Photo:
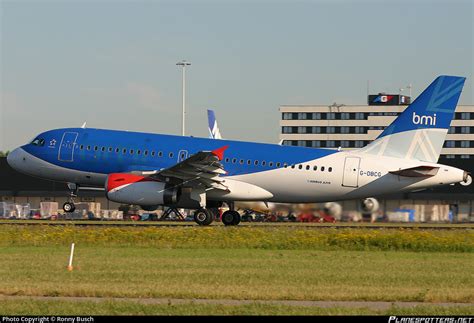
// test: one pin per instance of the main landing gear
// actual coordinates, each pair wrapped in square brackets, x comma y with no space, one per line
[69,206]
[205,216]
[231,217]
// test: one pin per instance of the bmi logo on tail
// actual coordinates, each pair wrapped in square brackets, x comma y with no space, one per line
[426,120]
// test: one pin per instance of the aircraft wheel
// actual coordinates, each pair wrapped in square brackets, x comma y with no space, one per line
[69,207]
[203,217]
[215,213]
[231,218]
[236,220]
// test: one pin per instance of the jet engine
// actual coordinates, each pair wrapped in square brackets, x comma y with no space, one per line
[467,179]
[334,209]
[149,208]
[370,205]
[140,190]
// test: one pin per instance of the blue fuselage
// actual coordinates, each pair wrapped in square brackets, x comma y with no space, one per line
[110,151]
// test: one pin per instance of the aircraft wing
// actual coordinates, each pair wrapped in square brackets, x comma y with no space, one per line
[200,169]
[418,171]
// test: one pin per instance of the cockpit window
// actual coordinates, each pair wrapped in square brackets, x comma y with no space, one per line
[38,142]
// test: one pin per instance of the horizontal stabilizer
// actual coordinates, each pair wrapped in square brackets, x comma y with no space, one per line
[419,171]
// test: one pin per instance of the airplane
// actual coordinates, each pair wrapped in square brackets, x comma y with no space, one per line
[214,132]
[253,206]
[200,173]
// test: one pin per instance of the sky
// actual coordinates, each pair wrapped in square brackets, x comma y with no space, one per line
[113,63]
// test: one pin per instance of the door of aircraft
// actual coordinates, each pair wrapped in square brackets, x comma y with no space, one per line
[182,155]
[350,178]
[66,148]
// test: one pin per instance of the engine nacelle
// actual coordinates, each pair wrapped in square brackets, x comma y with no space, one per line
[140,190]
[370,205]
[334,209]
[149,208]
[467,179]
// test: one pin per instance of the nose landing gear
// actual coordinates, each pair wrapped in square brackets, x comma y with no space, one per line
[69,206]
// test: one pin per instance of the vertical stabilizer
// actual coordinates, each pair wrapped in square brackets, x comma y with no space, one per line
[214,132]
[419,132]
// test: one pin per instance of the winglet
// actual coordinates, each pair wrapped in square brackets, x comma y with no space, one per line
[219,152]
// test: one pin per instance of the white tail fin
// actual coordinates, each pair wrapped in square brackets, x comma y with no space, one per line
[214,132]
[419,132]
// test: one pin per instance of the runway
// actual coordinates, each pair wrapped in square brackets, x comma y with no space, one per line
[373,305]
[341,225]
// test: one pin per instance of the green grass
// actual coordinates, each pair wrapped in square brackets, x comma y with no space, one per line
[258,237]
[463,225]
[252,263]
[238,274]
[60,307]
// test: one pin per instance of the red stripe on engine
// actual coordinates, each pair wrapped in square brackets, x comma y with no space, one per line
[118,179]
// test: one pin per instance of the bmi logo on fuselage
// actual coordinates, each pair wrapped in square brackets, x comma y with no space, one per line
[425,120]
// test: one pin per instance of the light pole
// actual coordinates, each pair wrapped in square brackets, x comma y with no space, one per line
[184,63]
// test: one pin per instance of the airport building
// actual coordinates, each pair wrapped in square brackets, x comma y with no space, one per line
[354,126]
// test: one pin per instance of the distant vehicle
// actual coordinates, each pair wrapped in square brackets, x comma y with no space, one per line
[199,173]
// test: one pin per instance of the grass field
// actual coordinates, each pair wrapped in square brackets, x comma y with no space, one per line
[250,237]
[465,225]
[235,263]
[35,307]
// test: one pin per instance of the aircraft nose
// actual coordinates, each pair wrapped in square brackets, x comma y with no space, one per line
[15,157]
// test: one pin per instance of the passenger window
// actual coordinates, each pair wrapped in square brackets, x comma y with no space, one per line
[117,150]
[145,152]
[160,154]
[270,164]
[307,167]
[88,147]
[292,166]
[82,147]
[322,168]
[131,151]
[234,160]
[278,165]
[249,161]
[315,168]
[256,163]
[110,149]
[171,155]
[103,149]
[124,150]
[264,163]
[300,166]
[330,169]
[227,159]
[241,161]
[96,148]
[139,152]
[153,153]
